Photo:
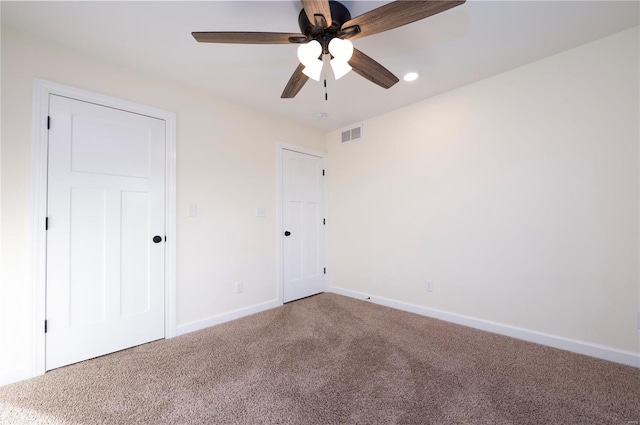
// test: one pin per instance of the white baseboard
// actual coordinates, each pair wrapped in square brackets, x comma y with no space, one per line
[226,317]
[10,376]
[594,350]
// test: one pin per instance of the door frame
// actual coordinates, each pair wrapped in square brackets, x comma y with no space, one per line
[280,147]
[42,89]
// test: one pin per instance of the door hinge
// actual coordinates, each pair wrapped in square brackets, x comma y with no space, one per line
[45,326]
[325,270]
[324,221]
[48,123]
[46,223]
[323,172]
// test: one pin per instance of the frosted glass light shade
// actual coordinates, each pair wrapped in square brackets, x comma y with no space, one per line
[341,49]
[340,68]
[308,54]
[313,70]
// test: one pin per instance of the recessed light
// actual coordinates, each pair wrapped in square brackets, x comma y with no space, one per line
[411,76]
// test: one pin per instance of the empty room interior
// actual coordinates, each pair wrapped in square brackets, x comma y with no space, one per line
[320,212]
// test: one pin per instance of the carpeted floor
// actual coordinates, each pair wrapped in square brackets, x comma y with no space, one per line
[331,360]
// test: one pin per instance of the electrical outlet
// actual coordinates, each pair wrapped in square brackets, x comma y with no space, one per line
[428,286]
[239,287]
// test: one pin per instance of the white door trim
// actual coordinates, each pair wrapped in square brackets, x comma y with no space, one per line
[42,89]
[281,146]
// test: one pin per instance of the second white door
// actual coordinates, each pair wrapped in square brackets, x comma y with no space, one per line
[105,271]
[303,221]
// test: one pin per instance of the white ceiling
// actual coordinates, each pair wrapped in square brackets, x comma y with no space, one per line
[465,44]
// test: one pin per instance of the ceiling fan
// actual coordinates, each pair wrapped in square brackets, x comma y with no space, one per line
[326,30]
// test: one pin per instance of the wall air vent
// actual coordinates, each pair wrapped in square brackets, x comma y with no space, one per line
[352,134]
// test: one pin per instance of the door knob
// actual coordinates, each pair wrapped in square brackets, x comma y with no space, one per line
[287,233]
[157,239]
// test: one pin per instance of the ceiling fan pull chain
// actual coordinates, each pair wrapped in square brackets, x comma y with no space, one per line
[324,72]
[326,95]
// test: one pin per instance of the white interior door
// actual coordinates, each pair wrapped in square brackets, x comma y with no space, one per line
[302,220]
[105,274]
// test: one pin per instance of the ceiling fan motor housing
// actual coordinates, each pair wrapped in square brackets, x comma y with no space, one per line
[339,15]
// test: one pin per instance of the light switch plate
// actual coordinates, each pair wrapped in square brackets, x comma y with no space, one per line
[192,210]
[261,212]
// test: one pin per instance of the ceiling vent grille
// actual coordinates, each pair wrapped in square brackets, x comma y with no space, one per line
[352,134]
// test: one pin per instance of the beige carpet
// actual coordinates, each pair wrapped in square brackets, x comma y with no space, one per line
[331,360]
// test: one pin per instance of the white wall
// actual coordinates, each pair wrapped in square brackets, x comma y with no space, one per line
[517,196]
[226,165]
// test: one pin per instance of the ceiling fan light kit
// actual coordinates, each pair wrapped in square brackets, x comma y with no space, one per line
[327,29]
[341,50]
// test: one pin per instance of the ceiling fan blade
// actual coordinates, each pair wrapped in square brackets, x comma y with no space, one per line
[394,15]
[372,70]
[315,8]
[248,37]
[297,80]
